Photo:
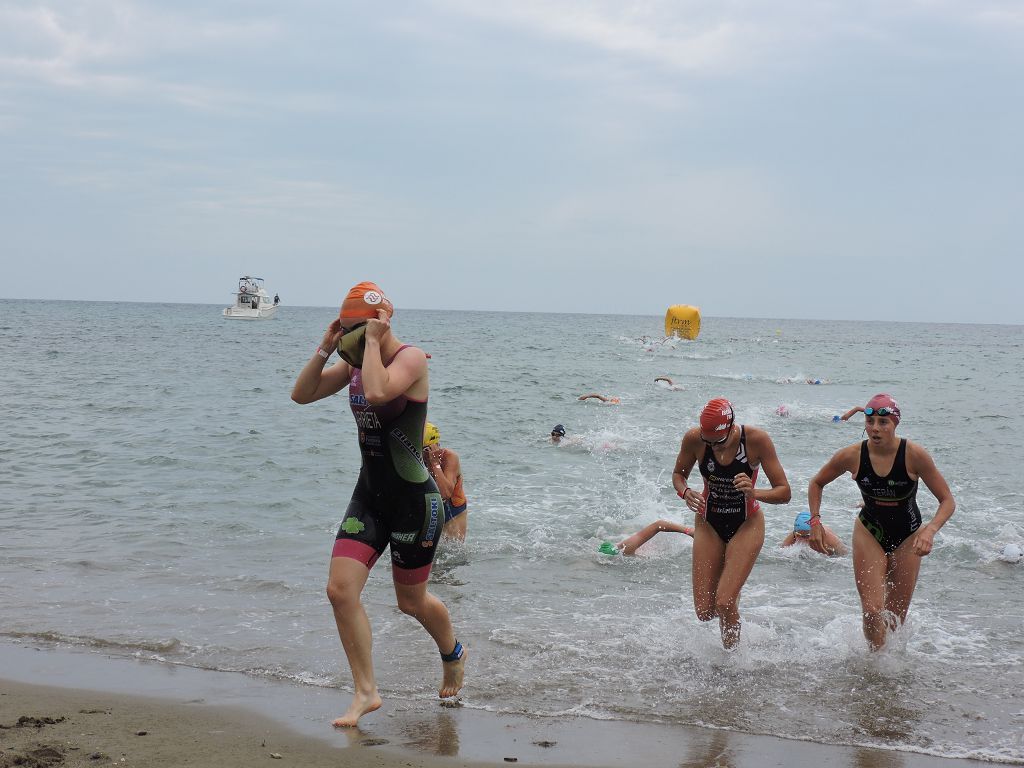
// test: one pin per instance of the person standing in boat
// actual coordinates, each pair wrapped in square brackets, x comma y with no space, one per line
[396,502]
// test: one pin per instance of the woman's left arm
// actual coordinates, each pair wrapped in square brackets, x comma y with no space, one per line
[921,464]
[409,367]
[780,492]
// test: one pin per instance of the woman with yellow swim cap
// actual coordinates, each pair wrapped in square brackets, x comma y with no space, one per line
[446,469]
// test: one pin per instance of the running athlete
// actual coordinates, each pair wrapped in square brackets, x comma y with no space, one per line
[888,538]
[395,501]
[446,469]
[729,527]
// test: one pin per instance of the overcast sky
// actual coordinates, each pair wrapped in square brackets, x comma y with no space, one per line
[765,159]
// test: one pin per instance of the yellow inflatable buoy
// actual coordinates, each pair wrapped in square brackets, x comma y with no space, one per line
[682,320]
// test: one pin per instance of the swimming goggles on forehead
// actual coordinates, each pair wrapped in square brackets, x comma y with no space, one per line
[883,411]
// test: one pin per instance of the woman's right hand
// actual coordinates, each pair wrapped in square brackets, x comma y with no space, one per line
[694,501]
[331,336]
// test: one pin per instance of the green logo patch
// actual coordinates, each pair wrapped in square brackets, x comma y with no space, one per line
[351,525]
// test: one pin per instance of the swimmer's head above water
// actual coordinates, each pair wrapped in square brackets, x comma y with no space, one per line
[557,432]
[802,525]
[431,435]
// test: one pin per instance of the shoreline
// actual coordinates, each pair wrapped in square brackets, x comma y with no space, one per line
[191,715]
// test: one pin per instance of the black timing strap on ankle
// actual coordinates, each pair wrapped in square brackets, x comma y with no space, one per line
[455,655]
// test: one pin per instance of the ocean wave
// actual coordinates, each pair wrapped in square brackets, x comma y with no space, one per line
[99,643]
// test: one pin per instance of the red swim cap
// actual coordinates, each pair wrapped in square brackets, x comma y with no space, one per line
[885,401]
[717,418]
[363,301]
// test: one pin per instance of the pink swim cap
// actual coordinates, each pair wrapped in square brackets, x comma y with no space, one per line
[885,401]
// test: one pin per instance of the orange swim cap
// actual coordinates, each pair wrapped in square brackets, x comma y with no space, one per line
[717,418]
[363,301]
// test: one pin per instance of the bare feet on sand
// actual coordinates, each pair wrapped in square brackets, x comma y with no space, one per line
[453,671]
[361,704]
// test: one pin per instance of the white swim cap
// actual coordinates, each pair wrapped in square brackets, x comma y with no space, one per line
[1012,553]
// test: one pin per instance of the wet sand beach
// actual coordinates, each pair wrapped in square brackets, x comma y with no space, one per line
[147,714]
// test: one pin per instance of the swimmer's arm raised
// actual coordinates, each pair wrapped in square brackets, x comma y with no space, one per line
[314,381]
[846,416]
[921,463]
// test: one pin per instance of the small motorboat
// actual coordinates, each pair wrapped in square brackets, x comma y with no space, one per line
[252,302]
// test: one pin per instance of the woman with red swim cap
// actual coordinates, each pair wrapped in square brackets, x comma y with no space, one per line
[729,527]
[888,538]
[396,502]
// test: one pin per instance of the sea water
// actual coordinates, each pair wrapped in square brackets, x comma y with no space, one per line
[161,497]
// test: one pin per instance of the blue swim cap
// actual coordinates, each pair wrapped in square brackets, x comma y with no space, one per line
[803,521]
[559,430]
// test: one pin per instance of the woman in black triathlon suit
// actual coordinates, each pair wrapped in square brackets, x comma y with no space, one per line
[395,502]
[888,538]
[729,526]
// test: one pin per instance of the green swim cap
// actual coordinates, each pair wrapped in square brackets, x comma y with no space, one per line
[607,548]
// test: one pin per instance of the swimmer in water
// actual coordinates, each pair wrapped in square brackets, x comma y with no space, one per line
[395,502]
[782,411]
[557,433]
[602,398]
[446,469]
[629,546]
[729,526]
[888,538]
[667,383]
[856,409]
[832,545]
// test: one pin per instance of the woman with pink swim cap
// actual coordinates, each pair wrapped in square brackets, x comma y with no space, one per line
[729,527]
[888,538]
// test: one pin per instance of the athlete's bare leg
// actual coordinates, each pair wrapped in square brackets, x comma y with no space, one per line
[901,579]
[344,586]
[415,601]
[740,555]
[870,566]
[707,562]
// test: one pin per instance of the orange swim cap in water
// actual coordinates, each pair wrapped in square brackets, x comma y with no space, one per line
[363,301]
[717,418]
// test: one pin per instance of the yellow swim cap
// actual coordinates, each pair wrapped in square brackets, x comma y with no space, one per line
[431,435]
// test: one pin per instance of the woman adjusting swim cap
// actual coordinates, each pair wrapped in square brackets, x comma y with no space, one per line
[359,307]
[363,301]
